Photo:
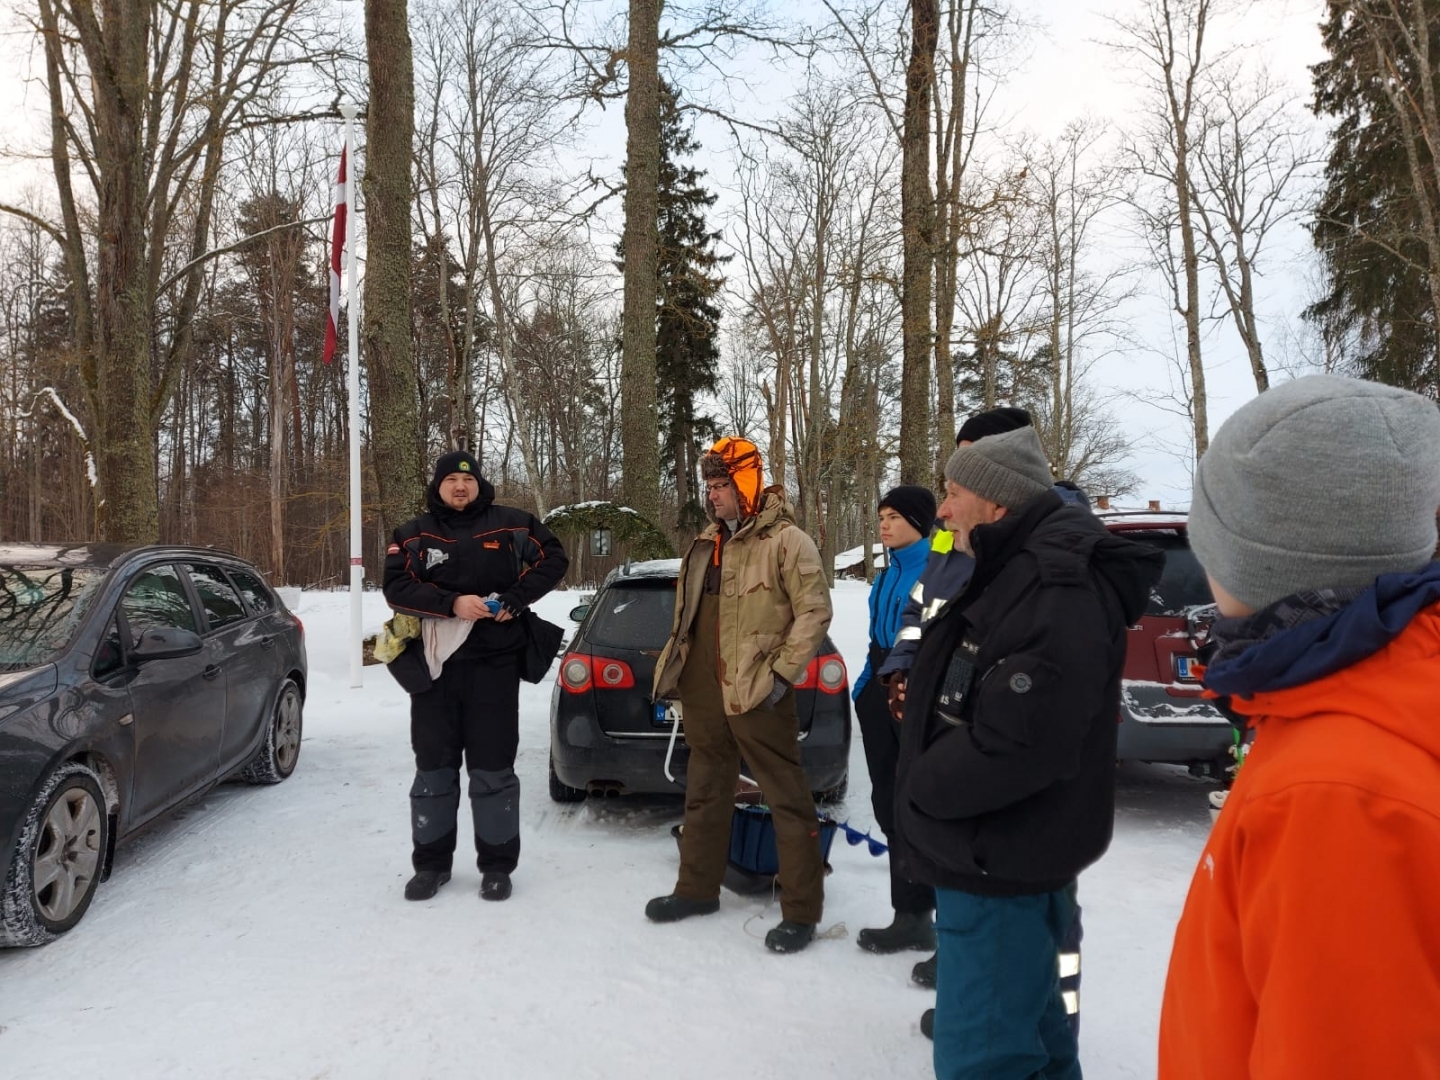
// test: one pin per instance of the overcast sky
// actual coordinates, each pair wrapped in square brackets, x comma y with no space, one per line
[1063,72]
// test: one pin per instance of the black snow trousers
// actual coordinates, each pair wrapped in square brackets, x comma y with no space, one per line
[881,736]
[472,710]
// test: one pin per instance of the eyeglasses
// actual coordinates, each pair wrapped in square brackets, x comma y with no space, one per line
[853,836]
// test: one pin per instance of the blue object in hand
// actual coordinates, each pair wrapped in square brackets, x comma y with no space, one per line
[494,606]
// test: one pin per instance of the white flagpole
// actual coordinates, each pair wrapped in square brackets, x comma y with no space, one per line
[357,562]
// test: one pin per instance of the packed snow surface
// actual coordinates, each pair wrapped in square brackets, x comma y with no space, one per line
[262,933]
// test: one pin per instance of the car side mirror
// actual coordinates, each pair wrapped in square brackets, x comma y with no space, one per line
[579,611]
[165,643]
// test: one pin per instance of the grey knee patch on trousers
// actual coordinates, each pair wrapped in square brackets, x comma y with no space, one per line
[495,802]
[434,800]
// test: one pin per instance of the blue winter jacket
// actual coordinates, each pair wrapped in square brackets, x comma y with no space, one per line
[889,594]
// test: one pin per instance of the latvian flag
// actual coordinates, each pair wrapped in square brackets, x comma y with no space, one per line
[337,248]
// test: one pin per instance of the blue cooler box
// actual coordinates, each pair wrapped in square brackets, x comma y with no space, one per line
[752,840]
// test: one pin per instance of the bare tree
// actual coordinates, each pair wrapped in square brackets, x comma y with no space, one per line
[488,165]
[998,291]
[1249,155]
[142,97]
[961,100]
[388,186]
[640,424]
[1072,187]
[917,221]
[1167,41]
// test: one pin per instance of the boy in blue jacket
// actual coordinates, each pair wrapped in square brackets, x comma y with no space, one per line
[907,514]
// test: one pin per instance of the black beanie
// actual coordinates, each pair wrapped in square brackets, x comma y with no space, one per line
[992,422]
[461,461]
[915,504]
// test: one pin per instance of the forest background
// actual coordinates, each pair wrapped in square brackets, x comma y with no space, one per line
[859,221]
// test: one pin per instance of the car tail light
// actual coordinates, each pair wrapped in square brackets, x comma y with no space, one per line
[580,672]
[612,674]
[299,625]
[825,673]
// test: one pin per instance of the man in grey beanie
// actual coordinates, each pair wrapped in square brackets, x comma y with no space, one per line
[1006,781]
[1308,944]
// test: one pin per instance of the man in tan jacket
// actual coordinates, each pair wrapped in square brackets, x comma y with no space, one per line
[751,611]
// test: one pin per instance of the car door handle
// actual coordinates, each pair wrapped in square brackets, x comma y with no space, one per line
[267,641]
[211,670]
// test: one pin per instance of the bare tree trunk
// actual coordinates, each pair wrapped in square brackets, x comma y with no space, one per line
[952,146]
[1167,37]
[640,453]
[390,127]
[119,68]
[917,226]
[520,429]
[277,463]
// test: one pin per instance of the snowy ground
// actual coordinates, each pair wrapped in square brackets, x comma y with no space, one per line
[262,932]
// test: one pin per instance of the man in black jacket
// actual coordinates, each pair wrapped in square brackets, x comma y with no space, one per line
[1007,762]
[468,567]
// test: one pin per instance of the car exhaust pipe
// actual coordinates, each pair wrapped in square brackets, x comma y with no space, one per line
[608,789]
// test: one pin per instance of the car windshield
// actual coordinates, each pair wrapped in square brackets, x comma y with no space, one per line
[1182,585]
[632,615]
[40,610]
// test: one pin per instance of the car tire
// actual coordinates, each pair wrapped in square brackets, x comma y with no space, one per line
[280,750]
[63,843]
[834,794]
[562,792]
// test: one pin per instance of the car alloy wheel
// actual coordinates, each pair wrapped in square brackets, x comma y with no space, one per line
[280,749]
[67,856]
[287,729]
[59,860]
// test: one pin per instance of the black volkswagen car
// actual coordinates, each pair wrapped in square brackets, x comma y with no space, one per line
[131,680]
[608,737]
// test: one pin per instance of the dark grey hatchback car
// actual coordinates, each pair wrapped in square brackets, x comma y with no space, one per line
[608,737]
[131,680]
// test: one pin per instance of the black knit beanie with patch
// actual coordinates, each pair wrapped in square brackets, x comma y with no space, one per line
[461,461]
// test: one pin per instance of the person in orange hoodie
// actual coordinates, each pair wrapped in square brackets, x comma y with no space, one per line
[1309,946]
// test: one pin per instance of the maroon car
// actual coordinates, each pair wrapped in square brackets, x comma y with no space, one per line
[1162,714]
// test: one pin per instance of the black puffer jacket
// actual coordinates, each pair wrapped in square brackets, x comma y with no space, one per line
[1007,762]
[482,549]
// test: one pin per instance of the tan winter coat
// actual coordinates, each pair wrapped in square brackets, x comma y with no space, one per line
[774,606]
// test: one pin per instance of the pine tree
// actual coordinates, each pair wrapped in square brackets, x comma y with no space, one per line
[687,315]
[1370,224]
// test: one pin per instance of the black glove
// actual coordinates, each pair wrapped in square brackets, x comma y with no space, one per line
[777,691]
[511,602]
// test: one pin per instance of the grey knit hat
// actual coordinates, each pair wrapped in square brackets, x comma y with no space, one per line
[1323,482]
[1008,469]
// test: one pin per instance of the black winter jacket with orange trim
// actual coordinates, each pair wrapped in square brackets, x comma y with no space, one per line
[485,548]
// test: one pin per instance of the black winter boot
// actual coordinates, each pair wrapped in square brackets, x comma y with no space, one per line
[909,930]
[673,908]
[927,1024]
[425,884]
[494,885]
[923,973]
[789,936]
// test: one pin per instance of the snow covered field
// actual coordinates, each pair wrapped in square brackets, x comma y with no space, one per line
[262,932]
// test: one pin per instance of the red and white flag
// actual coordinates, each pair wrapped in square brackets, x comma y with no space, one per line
[337,249]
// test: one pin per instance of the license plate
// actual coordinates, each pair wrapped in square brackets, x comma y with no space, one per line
[1184,666]
[665,713]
